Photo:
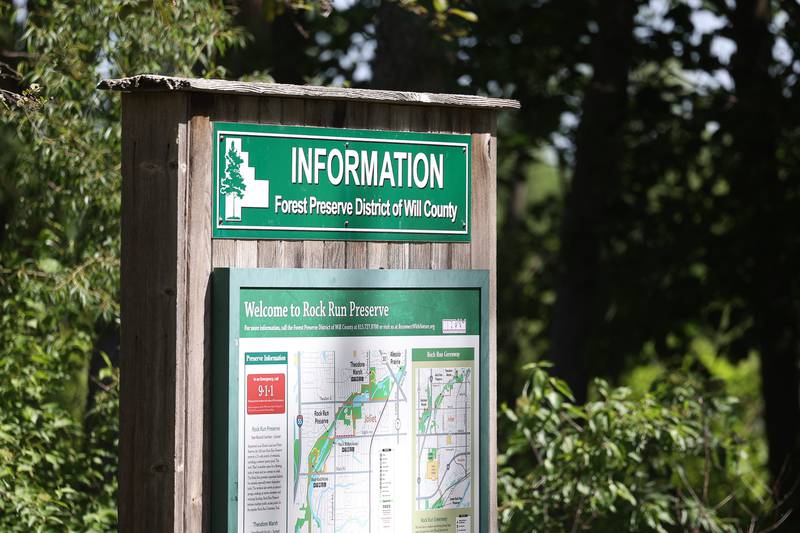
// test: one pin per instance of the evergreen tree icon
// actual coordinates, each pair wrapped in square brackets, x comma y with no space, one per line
[233,185]
[238,186]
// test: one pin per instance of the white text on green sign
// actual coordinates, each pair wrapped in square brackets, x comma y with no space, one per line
[320,183]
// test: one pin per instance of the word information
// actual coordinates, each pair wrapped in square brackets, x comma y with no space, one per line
[322,183]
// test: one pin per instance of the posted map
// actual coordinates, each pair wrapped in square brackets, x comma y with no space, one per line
[343,430]
[353,409]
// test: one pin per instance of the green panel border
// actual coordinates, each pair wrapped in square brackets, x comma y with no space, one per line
[377,235]
[228,282]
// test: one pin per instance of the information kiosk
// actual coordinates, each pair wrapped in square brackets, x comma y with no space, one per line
[351,400]
[308,308]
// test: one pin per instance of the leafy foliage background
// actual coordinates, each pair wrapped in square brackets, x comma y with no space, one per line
[686,237]
[59,253]
[668,459]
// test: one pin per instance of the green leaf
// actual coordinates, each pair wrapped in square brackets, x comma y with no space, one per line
[469,16]
[554,398]
[562,387]
[49,265]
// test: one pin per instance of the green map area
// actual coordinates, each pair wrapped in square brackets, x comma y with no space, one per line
[349,413]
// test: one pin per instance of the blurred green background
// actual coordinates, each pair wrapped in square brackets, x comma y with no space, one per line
[649,206]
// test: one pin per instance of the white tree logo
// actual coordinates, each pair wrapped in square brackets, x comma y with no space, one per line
[239,185]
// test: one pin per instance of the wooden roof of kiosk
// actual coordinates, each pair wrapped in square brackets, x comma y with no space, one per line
[152,82]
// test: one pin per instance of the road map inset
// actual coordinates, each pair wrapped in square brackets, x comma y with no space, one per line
[444,441]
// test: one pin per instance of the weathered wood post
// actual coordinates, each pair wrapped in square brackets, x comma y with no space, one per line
[174,235]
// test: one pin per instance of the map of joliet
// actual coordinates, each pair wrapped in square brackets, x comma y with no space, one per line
[355,422]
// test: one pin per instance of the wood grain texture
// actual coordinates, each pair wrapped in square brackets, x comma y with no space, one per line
[357,115]
[292,112]
[248,109]
[223,253]
[246,254]
[270,109]
[152,82]
[397,255]
[267,253]
[313,254]
[379,117]
[225,108]
[197,329]
[484,256]
[482,204]
[182,451]
[440,256]
[290,254]
[334,255]
[355,254]
[461,255]
[460,121]
[419,255]
[321,113]
[377,255]
[151,165]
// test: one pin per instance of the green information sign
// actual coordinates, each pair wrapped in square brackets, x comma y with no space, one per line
[285,182]
[352,401]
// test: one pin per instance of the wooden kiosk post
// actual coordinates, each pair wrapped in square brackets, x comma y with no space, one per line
[169,252]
